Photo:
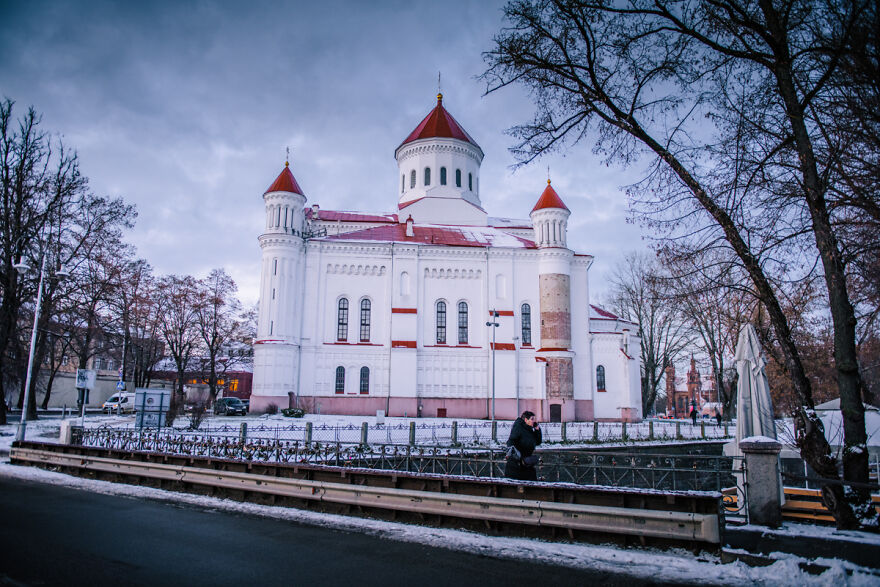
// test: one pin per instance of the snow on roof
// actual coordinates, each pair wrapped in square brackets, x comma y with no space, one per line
[349,216]
[601,314]
[509,222]
[434,234]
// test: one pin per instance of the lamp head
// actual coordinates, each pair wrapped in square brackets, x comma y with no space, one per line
[62,272]
[21,266]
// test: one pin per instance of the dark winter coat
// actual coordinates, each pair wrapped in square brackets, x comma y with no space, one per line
[525,439]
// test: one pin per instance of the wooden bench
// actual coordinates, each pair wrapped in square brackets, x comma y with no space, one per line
[800,504]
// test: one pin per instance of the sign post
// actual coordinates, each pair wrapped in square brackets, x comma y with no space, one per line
[85,381]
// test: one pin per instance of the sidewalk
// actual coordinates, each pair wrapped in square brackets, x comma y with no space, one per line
[758,545]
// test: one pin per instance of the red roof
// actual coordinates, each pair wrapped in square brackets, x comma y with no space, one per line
[285,182]
[604,313]
[439,123]
[549,199]
[343,216]
[453,236]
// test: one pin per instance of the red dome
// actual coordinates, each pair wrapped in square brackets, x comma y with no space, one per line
[549,199]
[285,182]
[439,123]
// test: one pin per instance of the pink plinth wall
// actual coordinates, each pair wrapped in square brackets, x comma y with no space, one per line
[505,409]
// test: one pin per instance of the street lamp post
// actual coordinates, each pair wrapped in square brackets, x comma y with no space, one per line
[494,324]
[23,268]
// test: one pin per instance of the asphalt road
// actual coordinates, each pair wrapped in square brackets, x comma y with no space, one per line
[60,536]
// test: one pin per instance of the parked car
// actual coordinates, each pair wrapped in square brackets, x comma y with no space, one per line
[229,406]
[247,404]
[121,401]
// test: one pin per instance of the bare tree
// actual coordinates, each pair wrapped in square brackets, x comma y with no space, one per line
[637,295]
[217,314]
[719,94]
[177,296]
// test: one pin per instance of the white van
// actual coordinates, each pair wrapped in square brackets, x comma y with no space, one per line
[121,401]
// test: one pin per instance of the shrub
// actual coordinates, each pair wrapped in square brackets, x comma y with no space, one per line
[293,412]
[196,415]
[272,409]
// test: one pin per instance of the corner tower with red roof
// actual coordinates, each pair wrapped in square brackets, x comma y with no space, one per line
[277,346]
[549,220]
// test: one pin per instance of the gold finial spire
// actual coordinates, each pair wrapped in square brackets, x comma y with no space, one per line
[287,158]
[439,90]
[548,175]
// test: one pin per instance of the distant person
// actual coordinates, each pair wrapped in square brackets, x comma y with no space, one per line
[694,414]
[524,437]
[718,417]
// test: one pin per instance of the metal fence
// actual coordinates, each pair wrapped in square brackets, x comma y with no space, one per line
[617,469]
[467,434]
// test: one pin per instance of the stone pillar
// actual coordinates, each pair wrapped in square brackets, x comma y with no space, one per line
[763,480]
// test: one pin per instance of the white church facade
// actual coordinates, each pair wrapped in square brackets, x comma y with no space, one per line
[362,312]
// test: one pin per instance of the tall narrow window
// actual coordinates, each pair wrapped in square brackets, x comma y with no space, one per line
[365,320]
[600,378]
[462,323]
[340,379]
[402,183]
[471,181]
[275,267]
[365,380]
[526,312]
[442,176]
[458,178]
[427,176]
[412,179]
[441,322]
[342,320]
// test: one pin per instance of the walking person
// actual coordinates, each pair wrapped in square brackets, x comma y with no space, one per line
[524,437]
[694,412]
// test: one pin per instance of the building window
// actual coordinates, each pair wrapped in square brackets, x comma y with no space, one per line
[275,267]
[365,380]
[458,178]
[412,179]
[441,322]
[98,363]
[340,379]
[65,359]
[442,176]
[462,323]
[365,320]
[109,364]
[402,183]
[427,176]
[600,378]
[342,320]
[471,181]
[526,311]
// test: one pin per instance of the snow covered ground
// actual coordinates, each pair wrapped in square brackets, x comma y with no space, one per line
[674,565]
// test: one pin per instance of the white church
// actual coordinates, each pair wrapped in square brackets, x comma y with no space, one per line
[437,309]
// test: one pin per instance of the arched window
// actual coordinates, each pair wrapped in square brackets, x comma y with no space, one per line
[442,176]
[402,183]
[365,380]
[441,322]
[600,378]
[340,379]
[365,320]
[462,323]
[427,176]
[458,178]
[412,179]
[471,181]
[342,320]
[526,312]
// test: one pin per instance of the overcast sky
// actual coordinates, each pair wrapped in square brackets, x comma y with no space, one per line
[185,109]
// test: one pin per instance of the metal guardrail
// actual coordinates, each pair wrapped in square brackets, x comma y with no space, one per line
[667,524]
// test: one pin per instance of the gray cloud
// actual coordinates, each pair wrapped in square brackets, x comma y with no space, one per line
[185,109]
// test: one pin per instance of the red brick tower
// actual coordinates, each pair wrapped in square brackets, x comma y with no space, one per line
[550,220]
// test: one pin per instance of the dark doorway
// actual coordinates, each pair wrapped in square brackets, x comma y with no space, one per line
[441,412]
[555,413]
